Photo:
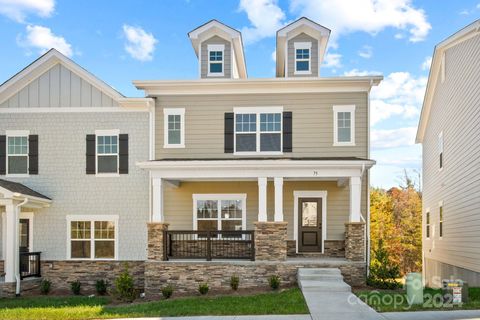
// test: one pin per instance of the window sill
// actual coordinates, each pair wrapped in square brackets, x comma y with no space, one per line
[19,175]
[264,153]
[344,144]
[107,175]
[173,146]
[215,74]
[302,73]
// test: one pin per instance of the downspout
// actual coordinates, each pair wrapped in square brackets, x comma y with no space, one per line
[17,276]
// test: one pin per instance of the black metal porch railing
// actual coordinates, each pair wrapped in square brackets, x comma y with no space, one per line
[209,245]
[29,264]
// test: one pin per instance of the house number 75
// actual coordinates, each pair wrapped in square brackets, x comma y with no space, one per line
[315,173]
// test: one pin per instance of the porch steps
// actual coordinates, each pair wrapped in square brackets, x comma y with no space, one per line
[321,280]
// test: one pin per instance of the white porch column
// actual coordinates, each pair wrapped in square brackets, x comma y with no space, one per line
[262,199]
[157,200]
[278,181]
[355,198]
[11,246]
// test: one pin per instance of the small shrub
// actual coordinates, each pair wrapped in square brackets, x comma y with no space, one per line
[75,286]
[124,287]
[383,272]
[45,286]
[203,288]
[101,286]
[274,282]
[234,282]
[167,291]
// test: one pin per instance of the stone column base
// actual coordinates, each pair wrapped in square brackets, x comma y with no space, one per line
[355,245]
[155,249]
[271,241]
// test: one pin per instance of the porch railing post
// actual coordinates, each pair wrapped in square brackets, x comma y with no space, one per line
[209,246]
[39,264]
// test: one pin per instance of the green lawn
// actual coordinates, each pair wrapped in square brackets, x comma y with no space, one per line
[285,302]
[388,301]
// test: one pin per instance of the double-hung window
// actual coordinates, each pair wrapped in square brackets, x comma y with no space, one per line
[216,59]
[427,224]
[302,57]
[92,237]
[219,212]
[174,124]
[17,152]
[344,125]
[107,151]
[258,130]
[440,150]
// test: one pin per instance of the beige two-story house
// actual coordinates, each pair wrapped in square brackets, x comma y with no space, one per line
[448,131]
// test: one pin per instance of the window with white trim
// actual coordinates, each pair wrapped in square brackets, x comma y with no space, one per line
[91,238]
[344,125]
[107,151]
[17,152]
[302,57]
[219,212]
[174,127]
[440,150]
[215,59]
[258,130]
[427,224]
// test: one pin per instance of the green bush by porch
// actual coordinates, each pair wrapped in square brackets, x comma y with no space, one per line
[286,302]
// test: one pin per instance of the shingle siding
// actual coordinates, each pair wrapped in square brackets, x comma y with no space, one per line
[456,112]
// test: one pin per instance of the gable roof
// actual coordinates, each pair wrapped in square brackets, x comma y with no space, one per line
[45,63]
[215,27]
[18,188]
[293,29]
[464,34]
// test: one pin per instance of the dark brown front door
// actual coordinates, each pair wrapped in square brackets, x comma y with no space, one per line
[310,224]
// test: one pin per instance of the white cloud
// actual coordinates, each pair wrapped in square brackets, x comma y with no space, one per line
[274,55]
[360,73]
[426,63]
[265,16]
[366,52]
[43,39]
[332,60]
[393,138]
[399,94]
[140,44]
[18,9]
[370,16]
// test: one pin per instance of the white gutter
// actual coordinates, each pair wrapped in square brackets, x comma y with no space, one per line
[17,276]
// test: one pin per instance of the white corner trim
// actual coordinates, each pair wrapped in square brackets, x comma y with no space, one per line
[310,194]
[174,111]
[92,218]
[336,110]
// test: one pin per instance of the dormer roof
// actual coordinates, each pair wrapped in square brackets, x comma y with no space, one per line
[302,25]
[216,28]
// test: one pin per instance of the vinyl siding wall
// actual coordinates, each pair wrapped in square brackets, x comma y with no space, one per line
[312,123]
[227,56]
[178,205]
[314,68]
[456,112]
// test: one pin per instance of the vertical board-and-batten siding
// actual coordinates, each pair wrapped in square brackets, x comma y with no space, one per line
[227,57]
[456,112]
[312,115]
[314,67]
[59,87]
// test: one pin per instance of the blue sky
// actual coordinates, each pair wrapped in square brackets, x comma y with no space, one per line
[120,41]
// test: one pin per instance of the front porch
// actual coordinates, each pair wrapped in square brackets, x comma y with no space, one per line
[258,210]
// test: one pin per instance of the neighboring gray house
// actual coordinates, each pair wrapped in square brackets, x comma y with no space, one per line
[449,131]
[222,167]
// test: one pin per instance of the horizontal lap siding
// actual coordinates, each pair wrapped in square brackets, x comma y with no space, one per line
[312,122]
[456,112]
[178,203]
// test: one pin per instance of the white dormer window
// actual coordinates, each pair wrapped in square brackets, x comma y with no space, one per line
[215,59]
[303,57]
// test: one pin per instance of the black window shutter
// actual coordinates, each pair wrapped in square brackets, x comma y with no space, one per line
[33,154]
[229,132]
[90,165]
[3,155]
[287,131]
[123,153]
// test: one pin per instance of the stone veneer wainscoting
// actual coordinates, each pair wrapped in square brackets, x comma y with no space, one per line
[355,241]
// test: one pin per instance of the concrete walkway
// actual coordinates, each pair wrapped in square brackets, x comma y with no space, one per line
[329,297]
[269,317]
[433,315]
